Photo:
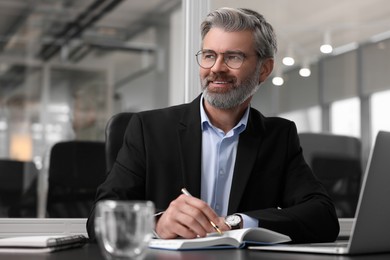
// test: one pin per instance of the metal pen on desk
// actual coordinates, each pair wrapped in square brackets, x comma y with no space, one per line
[185,191]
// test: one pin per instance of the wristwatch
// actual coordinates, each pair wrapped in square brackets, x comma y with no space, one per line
[233,221]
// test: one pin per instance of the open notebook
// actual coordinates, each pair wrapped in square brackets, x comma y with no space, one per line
[371,229]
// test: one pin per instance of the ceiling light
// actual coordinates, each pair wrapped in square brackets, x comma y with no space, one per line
[304,72]
[305,69]
[326,47]
[288,61]
[277,81]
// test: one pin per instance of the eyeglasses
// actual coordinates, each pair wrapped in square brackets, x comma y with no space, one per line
[207,58]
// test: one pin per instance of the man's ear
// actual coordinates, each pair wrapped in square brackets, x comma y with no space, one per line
[266,69]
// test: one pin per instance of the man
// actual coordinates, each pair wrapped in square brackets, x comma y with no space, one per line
[243,169]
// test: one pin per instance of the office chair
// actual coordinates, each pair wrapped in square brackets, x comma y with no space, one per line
[76,169]
[18,188]
[115,130]
[336,161]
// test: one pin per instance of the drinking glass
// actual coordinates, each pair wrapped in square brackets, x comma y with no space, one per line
[123,228]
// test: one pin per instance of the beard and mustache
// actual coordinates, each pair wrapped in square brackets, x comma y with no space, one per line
[233,96]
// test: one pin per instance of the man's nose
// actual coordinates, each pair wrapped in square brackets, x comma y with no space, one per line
[220,64]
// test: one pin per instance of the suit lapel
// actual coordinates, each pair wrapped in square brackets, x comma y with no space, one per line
[247,152]
[190,142]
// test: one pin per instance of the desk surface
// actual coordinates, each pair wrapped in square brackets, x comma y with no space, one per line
[91,252]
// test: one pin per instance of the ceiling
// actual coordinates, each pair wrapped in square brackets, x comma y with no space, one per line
[39,29]
[300,25]
[42,27]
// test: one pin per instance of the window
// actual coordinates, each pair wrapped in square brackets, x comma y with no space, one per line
[345,117]
[380,106]
[307,120]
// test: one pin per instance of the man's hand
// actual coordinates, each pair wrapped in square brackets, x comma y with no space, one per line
[188,217]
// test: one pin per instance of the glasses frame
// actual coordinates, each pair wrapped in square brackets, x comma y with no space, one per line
[225,58]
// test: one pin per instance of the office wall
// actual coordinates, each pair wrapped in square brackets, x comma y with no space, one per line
[375,67]
[339,76]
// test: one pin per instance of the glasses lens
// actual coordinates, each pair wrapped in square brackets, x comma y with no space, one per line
[206,59]
[234,60]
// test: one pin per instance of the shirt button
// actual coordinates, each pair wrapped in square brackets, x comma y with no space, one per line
[221,172]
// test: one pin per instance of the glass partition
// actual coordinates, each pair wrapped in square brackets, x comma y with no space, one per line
[66,67]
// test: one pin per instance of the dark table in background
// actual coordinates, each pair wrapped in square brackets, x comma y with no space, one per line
[92,252]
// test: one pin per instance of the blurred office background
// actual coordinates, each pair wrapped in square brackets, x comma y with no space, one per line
[67,66]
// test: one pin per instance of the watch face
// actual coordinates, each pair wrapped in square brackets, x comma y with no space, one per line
[233,220]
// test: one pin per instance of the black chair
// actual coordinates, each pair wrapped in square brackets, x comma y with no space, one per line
[342,178]
[115,130]
[18,188]
[336,161]
[76,169]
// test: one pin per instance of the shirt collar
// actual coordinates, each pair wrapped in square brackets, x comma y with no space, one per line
[204,119]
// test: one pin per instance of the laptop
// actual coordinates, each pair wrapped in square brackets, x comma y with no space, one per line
[371,228]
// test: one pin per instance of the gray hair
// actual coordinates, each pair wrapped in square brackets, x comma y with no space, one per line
[240,19]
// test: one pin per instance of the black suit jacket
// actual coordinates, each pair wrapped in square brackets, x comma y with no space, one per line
[272,182]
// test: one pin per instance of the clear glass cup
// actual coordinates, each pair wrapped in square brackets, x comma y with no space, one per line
[124,228]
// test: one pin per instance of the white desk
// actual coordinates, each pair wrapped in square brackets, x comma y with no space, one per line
[10,227]
[58,226]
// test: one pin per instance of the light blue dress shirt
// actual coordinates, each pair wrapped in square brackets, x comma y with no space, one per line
[218,158]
